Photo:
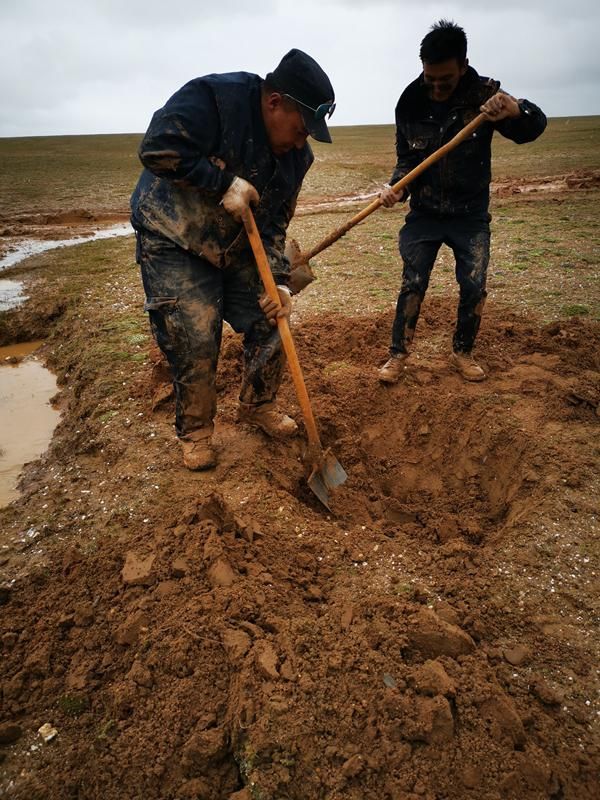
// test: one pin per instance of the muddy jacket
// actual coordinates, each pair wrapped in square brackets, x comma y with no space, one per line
[207,133]
[458,184]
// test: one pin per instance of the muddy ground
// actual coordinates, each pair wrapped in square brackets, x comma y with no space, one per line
[221,636]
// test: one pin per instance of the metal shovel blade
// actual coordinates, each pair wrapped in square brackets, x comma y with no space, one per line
[326,475]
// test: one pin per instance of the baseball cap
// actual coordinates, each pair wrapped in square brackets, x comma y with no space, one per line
[300,78]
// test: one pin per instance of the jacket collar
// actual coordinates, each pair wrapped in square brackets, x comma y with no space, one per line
[472,90]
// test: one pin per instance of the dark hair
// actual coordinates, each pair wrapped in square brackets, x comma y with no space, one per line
[444,41]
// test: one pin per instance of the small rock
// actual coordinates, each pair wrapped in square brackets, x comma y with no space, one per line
[545,693]
[313,592]
[165,588]
[446,612]
[179,568]
[287,671]
[517,655]
[84,615]
[138,571]
[471,777]
[434,723]
[243,794]
[236,644]
[9,640]
[66,621]
[352,767]
[221,574]
[347,616]
[431,678]
[501,712]
[129,632]
[141,675]
[433,637]
[9,733]
[266,660]
[47,732]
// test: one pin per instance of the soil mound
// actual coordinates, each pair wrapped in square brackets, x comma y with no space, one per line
[221,636]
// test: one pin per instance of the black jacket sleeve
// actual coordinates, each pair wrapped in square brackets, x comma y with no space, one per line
[525,128]
[181,138]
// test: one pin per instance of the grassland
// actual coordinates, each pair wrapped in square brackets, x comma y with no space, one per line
[545,251]
[42,174]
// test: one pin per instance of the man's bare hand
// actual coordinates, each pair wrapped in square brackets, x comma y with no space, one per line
[239,197]
[501,106]
[273,311]
[389,197]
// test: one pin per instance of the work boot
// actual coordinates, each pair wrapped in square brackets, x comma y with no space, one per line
[199,454]
[266,417]
[392,369]
[467,366]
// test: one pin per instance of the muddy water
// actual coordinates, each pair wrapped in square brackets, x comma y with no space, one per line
[11,292]
[27,420]
[31,247]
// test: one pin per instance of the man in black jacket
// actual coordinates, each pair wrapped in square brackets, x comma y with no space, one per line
[449,201]
[222,143]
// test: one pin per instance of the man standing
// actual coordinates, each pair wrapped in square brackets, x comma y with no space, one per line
[449,201]
[222,143]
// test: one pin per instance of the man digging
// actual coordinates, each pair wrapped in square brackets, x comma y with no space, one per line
[449,202]
[222,143]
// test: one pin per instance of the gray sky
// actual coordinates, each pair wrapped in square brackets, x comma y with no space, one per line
[103,66]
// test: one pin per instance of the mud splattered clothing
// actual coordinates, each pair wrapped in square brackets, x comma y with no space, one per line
[196,262]
[187,301]
[449,202]
[420,240]
[210,131]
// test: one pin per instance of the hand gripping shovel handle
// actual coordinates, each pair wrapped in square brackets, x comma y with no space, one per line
[401,184]
[314,443]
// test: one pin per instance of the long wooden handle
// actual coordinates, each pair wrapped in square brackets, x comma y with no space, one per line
[401,184]
[284,330]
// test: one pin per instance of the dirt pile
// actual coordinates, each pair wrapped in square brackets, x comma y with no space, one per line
[220,637]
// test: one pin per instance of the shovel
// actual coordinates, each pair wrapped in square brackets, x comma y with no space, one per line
[326,471]
[302,273]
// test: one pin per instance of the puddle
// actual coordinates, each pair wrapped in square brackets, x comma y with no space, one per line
[32,247]
[11,294]
[27,420]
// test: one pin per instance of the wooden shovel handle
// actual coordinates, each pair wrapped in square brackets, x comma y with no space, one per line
[401,184]
[284,330]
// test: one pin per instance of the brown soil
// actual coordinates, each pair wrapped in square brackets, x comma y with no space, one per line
[80,222]
[220,636]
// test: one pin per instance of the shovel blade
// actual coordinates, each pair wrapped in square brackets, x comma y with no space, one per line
[325,476]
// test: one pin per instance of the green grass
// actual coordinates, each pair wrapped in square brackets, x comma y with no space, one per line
[545,249]
[49,173]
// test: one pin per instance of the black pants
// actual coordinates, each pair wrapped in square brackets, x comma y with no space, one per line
[419,242]
[187,299]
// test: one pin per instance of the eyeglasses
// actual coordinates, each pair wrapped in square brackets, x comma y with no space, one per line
[320,112]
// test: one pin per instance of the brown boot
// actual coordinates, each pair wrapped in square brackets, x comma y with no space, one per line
[467,366]
[268,419]
[199,454]
[393,368]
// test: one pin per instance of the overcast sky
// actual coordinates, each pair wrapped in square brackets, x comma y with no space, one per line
[103,66]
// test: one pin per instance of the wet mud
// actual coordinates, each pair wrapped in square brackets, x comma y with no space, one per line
[219,635]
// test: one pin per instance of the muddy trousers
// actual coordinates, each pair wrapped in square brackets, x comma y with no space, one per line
[187,299]
[419,242]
